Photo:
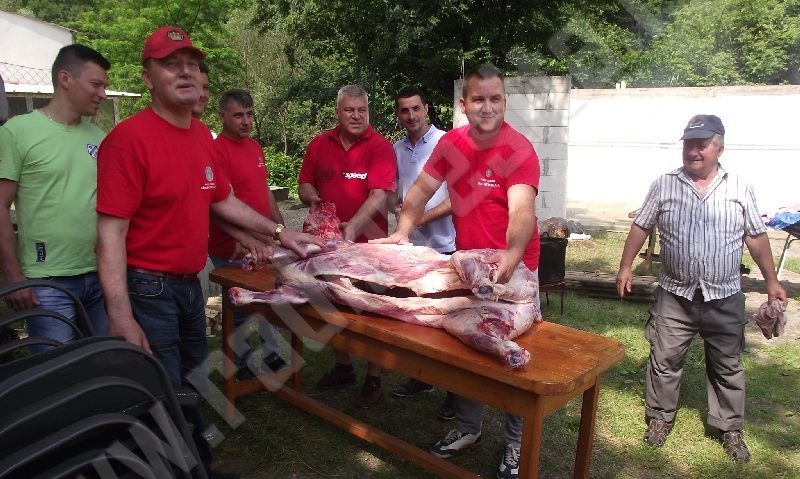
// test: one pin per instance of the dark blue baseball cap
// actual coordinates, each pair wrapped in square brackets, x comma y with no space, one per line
[703,126]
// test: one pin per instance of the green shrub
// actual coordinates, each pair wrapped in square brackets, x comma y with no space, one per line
[282,169]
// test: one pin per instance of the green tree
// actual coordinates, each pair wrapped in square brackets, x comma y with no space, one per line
[726,42]
[118,29]
[59,12]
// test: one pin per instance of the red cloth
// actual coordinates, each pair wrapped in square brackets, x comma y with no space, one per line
[478,178]
[163,179]
[345,177]
[243,162]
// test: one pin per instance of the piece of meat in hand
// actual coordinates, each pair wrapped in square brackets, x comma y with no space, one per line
[323,222]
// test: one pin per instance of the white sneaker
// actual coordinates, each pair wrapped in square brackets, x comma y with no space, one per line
[509,468]
[454,442]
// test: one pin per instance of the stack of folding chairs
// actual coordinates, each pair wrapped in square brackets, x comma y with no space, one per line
[97,407]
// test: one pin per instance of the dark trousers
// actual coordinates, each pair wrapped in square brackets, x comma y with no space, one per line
[172,315]
[674,321]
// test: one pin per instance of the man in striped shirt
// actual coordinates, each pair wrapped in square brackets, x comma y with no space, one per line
[705,216]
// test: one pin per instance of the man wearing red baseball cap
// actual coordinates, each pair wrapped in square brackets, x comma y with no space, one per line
[157,179]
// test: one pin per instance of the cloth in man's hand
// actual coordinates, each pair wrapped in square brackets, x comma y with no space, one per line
[771,319]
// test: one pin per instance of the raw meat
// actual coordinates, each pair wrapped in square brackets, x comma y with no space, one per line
[323,222]
[418,285]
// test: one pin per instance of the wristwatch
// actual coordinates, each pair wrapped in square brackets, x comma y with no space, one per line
[278,228]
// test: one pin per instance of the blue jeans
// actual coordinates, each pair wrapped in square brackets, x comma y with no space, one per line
[85,287]
[268,334]
[172,315]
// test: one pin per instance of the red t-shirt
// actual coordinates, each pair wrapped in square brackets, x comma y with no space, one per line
[345,177]
[242,161]
[478,178]
[163,179]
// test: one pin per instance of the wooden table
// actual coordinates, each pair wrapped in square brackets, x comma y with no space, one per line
[566,363]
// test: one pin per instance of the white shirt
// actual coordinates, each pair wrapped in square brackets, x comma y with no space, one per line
[438,234]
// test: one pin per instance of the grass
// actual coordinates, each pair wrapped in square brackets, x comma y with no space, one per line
[278,441]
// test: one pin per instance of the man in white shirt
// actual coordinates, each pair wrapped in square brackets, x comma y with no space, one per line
[436,229]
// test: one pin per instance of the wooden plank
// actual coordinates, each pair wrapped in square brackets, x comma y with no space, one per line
[398,447]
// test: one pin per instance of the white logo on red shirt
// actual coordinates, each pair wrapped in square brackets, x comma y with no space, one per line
[209,174]
[355,176]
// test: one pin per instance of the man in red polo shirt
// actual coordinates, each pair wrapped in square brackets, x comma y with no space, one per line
[492,175]
[353,167]
[242,160]
[156,181]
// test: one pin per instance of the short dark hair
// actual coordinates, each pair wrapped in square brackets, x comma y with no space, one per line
[73,57]
[203,66]
[484,71]
[240,96]
[408,92]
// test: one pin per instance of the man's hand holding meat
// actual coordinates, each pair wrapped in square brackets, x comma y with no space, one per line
[234,211]
[353,167]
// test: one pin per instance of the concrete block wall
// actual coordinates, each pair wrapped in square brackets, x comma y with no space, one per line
[538,107]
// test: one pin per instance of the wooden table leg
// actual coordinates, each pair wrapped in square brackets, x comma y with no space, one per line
[228,365]
[583,456]
[531,447]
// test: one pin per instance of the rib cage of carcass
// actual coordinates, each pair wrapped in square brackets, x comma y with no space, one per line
[417,285]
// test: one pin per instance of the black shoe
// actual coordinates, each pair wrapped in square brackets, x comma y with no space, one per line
[446,413]
[733,442]
[244,373]
[656,433]
[339,375]
[411,388]
[275,362]
[370,393]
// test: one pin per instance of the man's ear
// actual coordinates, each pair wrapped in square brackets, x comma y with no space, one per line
[146,79]
[63,77]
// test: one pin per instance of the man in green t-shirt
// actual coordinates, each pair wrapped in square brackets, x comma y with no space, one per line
[48,170]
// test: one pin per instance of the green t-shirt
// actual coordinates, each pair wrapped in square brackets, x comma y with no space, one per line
[55,167]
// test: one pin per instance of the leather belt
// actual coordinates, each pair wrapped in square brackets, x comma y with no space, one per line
[175,277]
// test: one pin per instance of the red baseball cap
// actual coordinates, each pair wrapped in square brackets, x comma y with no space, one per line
[167,40]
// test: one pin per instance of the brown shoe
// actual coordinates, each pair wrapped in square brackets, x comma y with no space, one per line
[370,393]
[733,442]
[656,433]
[339,375]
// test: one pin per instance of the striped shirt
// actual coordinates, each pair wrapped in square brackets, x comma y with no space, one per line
[701,237]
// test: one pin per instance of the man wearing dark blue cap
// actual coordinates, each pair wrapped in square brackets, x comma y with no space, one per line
[705,216]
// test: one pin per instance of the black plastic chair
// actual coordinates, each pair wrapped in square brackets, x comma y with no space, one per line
[101,432]
[82,326]
[84,379]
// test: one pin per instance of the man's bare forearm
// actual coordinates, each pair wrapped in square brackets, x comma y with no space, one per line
[12,270]
[374,206]
[633,244]
[439,211]
[112,266]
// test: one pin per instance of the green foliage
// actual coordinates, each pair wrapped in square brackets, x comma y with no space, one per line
[59,12]
[725,43]
[282,169]
[118,28]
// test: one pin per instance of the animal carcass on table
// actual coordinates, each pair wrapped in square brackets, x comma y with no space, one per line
[417,285]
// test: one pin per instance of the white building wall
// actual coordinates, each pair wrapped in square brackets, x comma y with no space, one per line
[29,43]
[621,140]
